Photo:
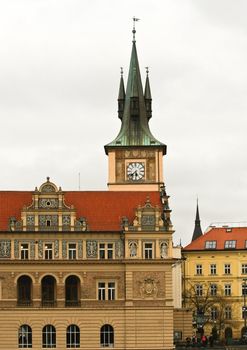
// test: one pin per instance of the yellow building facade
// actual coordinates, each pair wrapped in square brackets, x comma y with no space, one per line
[214,280]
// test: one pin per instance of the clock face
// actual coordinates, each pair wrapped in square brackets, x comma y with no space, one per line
[135,171]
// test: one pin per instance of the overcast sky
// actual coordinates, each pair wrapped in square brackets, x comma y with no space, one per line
[59,75]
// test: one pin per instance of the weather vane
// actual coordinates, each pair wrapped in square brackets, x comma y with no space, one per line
[134,27]
[121,71]
[147,70]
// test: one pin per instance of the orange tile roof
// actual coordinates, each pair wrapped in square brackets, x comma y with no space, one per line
[102,209]
[220,235]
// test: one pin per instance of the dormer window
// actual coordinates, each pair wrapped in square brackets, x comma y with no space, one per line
[230,244]
[210,244]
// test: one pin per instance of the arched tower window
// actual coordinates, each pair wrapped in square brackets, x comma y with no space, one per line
[107,336]
[24,291]
[49,336]
[72,291]
[25,336]
[73,336]
[48,285]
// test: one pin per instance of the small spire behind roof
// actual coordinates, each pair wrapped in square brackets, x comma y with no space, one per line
[147,96]
[121,96]
[197,230]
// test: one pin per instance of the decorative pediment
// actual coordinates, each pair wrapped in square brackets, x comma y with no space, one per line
[48,212]
[147,218]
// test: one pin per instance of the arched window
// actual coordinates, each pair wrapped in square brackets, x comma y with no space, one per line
[25,336]
[24,291]
[106,335]
[73,336]
[49,336]
[48,291]
[72,291]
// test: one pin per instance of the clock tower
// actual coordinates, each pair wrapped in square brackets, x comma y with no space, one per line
[135,156]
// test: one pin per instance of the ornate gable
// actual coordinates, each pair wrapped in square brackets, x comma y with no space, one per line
[48,212]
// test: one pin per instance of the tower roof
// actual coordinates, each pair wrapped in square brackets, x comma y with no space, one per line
[135,129]
[197,230]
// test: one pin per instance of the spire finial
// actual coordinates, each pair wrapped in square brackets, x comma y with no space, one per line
[121,71]
[147,70]
[134,28]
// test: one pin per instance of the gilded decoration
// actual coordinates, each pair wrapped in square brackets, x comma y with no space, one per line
[149,288]
[92,249]
[119,249]
[133,248]
[5,248]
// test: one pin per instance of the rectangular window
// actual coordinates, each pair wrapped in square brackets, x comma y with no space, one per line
[106,250]
[214,313]
[210,244]
[244,269]
[198,269]
[148,250]
[227,269]
[228,289]
[24,251]
[213,289]
[101,291]
[111,291]
[48,251]
[199,290]
[106,291]
[230,244]
[244,289]
[213,270]
[72,251]
[228,313]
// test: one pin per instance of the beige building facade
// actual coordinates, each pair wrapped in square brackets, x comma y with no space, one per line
[94,269]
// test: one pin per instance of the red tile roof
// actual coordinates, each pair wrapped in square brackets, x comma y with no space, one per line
[220,235]
[102,209]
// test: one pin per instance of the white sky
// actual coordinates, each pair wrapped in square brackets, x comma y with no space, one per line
[59,77]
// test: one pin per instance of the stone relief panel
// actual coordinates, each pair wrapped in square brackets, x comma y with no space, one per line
[44,218]
[133,248]
[16,249]
[148,220]
[40,249]
[66,220]
[48,203]
[119,249]
[92,249]
[148,285]
[56,249]
[32,249]
[149,288]
[80,254]
[64,249]
[5,248]
[30,220]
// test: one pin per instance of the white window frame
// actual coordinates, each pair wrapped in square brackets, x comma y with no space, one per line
[227,269]
[148,250]
[198,269]
[213,269]
[106,250]
[24,252]
[48,251]
[199,290]
[213,289]
[230,244]
[106,290]
[228,289]
[72,252]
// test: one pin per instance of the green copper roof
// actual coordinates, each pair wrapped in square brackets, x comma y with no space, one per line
[135,129]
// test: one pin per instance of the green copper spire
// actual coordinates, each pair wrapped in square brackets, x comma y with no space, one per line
[121,97]
[135,129]
[147,96]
